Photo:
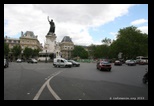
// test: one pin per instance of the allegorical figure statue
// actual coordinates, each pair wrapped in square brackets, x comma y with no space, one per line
[52,26]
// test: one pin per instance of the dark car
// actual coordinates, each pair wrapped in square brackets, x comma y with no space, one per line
[103,65]
[117,62]
[32,60]
[74,63]
[6,63]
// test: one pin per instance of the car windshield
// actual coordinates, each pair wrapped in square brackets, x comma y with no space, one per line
[104,62]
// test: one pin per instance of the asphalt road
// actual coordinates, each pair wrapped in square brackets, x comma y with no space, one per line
[42,81]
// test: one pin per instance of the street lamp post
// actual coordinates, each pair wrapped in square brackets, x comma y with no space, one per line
[46,57]
[68,53]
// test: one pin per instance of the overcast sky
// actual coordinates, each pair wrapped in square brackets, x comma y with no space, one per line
[85,23]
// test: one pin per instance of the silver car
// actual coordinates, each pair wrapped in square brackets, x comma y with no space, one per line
[31,60]
[131,63]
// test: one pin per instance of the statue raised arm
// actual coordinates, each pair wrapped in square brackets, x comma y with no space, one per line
[52,26]
[48,19]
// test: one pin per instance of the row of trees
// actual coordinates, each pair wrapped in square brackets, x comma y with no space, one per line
[130,42]
[16,51]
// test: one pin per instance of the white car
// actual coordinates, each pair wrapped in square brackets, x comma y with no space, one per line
[127,61]
[19,60]
[58,62]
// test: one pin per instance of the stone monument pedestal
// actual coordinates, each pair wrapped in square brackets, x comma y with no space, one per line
[50,42]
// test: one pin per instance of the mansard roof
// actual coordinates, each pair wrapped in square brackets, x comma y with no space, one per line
[66,39]
[29,33]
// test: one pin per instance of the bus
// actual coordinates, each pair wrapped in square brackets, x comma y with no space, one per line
[141,60]
[43,57]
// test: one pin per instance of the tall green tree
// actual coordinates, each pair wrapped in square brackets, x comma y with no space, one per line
[92,50]
[16,50]
[106,41]
[79,51]
[28,52]
[99,51]
[6,49]
[35,52]
[131,42]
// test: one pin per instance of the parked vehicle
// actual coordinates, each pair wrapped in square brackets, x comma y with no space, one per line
[117,62]
[6,63]
[143,62]
[127,61]
[58,62]
[19,60]
[31,60]
[131,63]
[103,65]
[74,63]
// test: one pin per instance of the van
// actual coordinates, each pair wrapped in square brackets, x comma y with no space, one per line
[58,62]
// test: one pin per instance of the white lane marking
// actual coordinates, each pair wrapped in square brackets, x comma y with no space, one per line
[52,91]
[49,87]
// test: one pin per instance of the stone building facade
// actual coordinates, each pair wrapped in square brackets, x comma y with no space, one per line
[66,46]
[11,41]
[28,39]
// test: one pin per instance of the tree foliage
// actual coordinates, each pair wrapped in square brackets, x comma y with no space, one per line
[106,41]
[16,50]
[27,52]
[6,49]
[99,51]
[79,51]
[35,52]
[130,42]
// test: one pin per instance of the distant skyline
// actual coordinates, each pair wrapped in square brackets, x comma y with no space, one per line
[86,24]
